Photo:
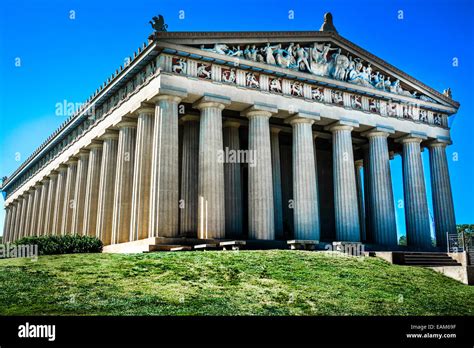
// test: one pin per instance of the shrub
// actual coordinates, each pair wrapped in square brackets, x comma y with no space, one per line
[67,244]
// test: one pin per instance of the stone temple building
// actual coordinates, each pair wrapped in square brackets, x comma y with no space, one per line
[257,136]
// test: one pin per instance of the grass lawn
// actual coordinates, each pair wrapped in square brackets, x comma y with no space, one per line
[226,283]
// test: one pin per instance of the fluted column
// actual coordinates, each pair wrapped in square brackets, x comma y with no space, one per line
[29,211]
[106,187]
[80,192]
[211,202]
[69,195]
[140,219]
[13,221]
[21,220]
[383,222]
[42,207]
[232,182]
[165,169]
[345,191]
[276,175]
[6,226]
[122,210]
[360,198]
[416,205]
[367,194]
[36,209]
[443,206]
[59,204]
[50,202]
[260,187]
[306,210]
[91,196]
[189,176]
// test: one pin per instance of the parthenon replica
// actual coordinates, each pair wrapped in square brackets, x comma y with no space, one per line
[242,136]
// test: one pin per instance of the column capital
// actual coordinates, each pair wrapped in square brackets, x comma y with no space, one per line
[168,97]
[38,184]
[190,118]
[231,123]
[83,152]
[109,134]
[260,110]
[439,143]
[212,101]
[95,144]
[347,125]
[53,173]
[274,129]
[71,160]
[145,108]
[298,119]
[170,93]
[127,122]
[62,167]
[378,131]
[359,163]
[410,138]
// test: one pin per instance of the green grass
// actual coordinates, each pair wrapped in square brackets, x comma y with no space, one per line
[225,283]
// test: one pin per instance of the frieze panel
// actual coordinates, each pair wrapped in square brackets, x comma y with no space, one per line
[320,59]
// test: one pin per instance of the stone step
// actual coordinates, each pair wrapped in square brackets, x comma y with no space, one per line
[422,262]
[206,246]
[169,247]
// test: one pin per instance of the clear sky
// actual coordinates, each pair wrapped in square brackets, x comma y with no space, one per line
[66,55]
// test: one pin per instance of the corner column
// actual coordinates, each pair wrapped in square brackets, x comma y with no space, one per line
[105,204]
[383,222]
[80,191]
[122,209]
[260,187]
[443,206]
[345,190]
[211,191]
[91,196]
[416,205]
[189,176]
[140,219]
[232,182]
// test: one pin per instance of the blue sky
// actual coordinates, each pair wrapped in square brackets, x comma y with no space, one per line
[67,59]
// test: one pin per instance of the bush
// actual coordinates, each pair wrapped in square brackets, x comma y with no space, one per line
[67,244]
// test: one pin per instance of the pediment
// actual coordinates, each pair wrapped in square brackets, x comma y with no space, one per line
[323,56]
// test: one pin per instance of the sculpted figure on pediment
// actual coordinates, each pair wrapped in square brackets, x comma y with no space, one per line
[268,53]
[218,48]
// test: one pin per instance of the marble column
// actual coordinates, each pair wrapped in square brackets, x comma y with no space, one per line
[416,205]
[345,190]
[232,181]
[42,207]
[189,176]
[91,195]
[140,219]
[164,199]
[69,195]
[21,226]
[305,191]
[29,211]
[80,191]
[260,187]
[122,210]
[277,188]
[59,200]
[36,210]
[367,195]
[6,227]
[443,206]
[12,226]
[50,202]
[360,198]
[211,191]
[105,204]
[383,221]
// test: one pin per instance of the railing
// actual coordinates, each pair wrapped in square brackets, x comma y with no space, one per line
[461,242]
